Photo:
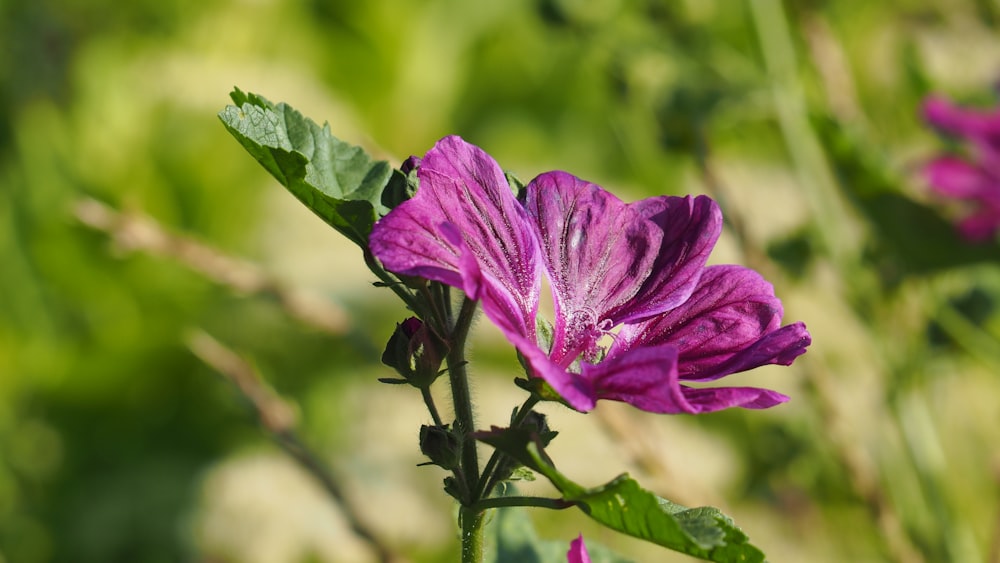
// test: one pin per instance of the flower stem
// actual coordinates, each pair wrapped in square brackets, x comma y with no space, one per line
[460,395]
[471,518]
[431,407]
[392,283]
[501,502]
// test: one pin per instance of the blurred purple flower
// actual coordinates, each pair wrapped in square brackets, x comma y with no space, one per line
[577,551]
[638,266]
[974,179]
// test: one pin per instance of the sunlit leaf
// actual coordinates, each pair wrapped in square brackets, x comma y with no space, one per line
[623,505]
[337,181]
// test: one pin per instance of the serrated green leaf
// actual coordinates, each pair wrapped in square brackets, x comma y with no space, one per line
[337,181]
[623,505]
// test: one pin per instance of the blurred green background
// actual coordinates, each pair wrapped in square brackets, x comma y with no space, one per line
[118,444]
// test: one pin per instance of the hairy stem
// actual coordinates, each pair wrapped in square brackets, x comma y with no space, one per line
[392,283]
[460,392]
[431,407]
[471,518]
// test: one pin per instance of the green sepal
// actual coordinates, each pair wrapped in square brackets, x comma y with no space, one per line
[392,381]
[538,386]
[441,446]
[508,468]
[516,185]
[339,182]
[623,505]
[452,488]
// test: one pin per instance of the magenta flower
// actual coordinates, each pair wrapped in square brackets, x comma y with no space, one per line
[577,551]
[632,274]
[975,179]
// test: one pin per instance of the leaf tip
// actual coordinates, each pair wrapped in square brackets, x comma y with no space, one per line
[239,97]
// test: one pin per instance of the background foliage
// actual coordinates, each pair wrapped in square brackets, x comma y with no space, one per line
[118,444]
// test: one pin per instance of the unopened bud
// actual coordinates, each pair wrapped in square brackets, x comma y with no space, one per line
[441,446]
[410,165]
[414,353]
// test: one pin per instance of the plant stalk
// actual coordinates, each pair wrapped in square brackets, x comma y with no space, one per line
[471,518]
[501,502]
[460,394]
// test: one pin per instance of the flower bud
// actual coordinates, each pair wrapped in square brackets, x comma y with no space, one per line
[414,353]
[441,446]
[410,165]
[536,423]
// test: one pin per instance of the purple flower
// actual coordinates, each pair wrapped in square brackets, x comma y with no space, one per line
[637,312]
[976,179]
[577,551]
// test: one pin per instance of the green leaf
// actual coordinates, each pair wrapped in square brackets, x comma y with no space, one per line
[337,181]
[623,505]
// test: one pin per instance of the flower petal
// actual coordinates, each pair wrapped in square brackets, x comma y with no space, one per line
[691,227]
[711,399]
[597,251]
[647,378]
[953,177]
[946,116]
[729,324]
[577,551]
[573,388]
[465,228]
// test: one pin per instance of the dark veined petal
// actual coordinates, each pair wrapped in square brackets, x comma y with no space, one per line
[576,391]
[711,399]
[691,227]
[465,228]
[647,378]
[597,251]
[731,323]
